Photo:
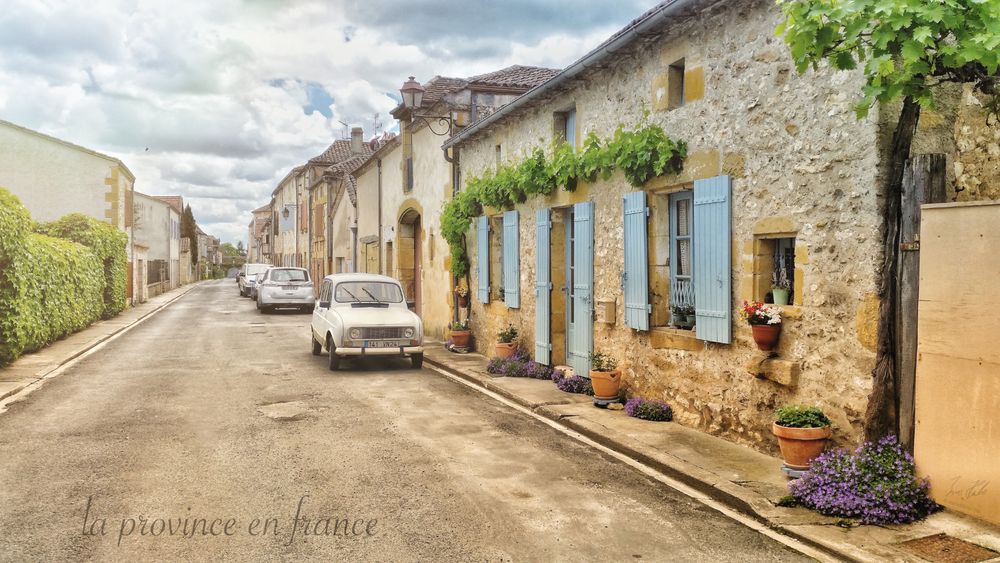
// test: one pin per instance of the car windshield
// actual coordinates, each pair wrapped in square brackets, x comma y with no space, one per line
[289,276]
[367,292]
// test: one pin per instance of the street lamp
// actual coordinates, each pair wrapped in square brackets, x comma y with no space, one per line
[413,97]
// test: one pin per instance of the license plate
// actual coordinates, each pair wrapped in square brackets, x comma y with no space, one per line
[384,343]
[289,287]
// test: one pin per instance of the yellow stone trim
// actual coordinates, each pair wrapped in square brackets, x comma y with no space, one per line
[675,339]
[113,196]
[866,321]
[694,84]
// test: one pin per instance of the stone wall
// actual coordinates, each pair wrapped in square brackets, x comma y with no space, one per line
[802,166]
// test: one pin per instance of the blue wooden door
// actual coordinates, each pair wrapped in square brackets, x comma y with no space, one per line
[543,288]
[635,277]
[483,259]
[511,260]
[713,260]
[580,328]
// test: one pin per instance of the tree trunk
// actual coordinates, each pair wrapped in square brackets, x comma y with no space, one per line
[881,418]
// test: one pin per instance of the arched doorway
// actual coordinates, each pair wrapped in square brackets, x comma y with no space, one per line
[408,243]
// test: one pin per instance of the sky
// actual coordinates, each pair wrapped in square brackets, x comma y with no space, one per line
[216,100]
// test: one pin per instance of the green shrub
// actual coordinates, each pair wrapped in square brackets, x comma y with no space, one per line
[108,243]
[795,416]
[49,287]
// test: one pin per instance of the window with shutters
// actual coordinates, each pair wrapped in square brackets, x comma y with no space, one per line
[564,126]
[511,267]
[682,297]
[496,272]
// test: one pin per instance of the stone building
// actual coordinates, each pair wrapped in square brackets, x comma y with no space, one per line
[400,188]
[259,239]
[780,178]
[53,178]
[287,201]
[157,227]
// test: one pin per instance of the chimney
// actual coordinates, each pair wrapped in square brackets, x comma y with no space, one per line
[357,143]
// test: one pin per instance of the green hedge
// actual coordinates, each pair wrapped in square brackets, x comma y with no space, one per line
[109,245]
[49,287]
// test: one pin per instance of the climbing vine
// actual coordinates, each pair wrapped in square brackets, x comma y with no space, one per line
[641,154]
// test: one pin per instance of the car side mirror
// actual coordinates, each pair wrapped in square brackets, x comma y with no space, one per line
[323,304]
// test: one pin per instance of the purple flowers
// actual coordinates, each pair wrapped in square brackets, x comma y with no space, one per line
[648,409]
[876,484]
[518,365]
[573,384]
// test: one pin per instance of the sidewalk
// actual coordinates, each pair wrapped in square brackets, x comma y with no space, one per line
[31,368]
[749,481]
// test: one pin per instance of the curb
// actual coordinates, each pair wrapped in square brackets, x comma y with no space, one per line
[682,471]
[47,370]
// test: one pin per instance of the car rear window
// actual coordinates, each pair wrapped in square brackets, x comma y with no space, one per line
[289,275]
[367,292]
[257,269]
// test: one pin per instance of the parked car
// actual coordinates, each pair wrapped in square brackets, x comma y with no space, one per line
[251,285]
[247,270]
[284,287]
[365,315]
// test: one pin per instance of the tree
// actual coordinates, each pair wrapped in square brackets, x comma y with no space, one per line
[905,48]
[228,249]
[240,248]
[189,229]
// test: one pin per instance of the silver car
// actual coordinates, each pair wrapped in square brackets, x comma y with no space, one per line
[285,287]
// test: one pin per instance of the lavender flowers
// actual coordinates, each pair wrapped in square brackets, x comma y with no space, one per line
[649,409]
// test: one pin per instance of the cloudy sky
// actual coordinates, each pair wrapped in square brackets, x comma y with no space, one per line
[216,99]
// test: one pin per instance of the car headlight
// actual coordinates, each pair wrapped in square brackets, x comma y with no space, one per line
[355,333]
[408,333]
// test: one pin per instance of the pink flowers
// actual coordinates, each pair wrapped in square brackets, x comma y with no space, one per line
[758,313]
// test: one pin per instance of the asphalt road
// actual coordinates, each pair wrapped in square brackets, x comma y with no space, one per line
[200,434]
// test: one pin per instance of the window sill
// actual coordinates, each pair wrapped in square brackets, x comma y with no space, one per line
[675,339]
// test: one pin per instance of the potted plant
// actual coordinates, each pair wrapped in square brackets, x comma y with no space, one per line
[802,434]
[462,293]
[505,342]
[605,376]
[765,322]
[460,334]
[680,314]
[689,314]
[779,283]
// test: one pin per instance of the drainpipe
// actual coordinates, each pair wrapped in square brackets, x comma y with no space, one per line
[381,262]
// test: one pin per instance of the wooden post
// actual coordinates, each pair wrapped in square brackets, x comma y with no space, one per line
[923,182]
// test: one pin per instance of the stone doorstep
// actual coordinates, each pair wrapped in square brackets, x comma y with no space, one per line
[37,365]
[740,477]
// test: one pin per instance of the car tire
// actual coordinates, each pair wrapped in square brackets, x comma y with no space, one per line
[317,346]
[333,357]
[417,360]
[257,303]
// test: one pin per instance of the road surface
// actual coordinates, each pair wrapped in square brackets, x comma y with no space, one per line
[201,433]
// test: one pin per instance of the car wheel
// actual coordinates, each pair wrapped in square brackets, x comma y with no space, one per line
[317,347]
[417,360]
[257,304]
[334,358]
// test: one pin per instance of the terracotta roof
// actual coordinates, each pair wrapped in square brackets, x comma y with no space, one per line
[515,76]
[175,201]
[263,208]
[338,151]
[435,89]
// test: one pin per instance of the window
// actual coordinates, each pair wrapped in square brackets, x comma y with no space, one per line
[499,155]
[287,275]
[774,269]
[496,257]
[324,292]
[675,84]
[409,174]
[367,292]
[682,298]
[565,126]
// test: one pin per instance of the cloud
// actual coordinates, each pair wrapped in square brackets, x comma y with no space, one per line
[228,95]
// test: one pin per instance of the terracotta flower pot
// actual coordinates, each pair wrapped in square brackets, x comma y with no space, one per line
[460,338]
[606,384]
[505,349]
[463,301]
[766,336]
[799,446]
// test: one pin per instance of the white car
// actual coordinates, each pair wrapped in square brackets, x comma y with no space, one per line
[245,278]
[365,315]
[284,287]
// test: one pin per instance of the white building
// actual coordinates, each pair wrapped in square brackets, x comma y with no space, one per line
[157,226]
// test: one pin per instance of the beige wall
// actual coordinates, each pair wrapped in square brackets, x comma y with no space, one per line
[957,435]
[801,165]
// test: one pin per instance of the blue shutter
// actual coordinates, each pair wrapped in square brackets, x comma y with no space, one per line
[571,128]
[483,258]
[583,286]
[712,260]
[635,278]
[511,261]
[543,288]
